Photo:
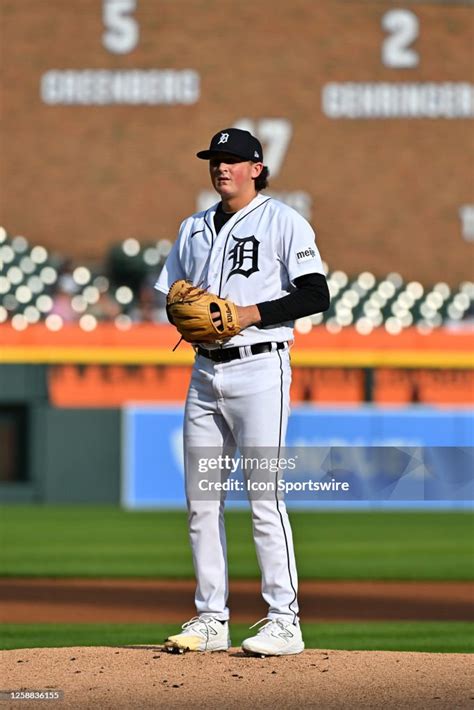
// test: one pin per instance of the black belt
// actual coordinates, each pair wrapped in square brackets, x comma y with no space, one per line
[227,354]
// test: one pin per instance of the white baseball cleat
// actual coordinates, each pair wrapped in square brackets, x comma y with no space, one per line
[275,638]
[201,633]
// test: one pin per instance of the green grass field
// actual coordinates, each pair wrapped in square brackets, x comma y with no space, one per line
[91,541]
[85,541]
[431,637]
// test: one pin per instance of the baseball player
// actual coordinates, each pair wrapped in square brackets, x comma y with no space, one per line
[256,260]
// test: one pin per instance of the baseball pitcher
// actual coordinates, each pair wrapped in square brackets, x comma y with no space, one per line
[237,277]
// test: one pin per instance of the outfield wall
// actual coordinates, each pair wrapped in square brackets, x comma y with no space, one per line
[133,454]
[53,455]
[417,457]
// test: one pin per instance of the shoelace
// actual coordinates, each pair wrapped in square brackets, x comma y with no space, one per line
[190,622]
[265,629]
[195,621]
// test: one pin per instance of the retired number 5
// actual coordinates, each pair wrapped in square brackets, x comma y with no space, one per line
[121,33]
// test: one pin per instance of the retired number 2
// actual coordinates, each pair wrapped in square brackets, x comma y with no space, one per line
[403,29]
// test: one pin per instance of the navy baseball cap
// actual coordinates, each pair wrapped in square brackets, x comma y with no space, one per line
[234,141]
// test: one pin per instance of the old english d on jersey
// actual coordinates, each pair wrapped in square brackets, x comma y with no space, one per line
[256,257]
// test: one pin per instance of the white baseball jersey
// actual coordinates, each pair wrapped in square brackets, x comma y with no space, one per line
[256,257]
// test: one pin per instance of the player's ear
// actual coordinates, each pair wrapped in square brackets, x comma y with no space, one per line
[256,169]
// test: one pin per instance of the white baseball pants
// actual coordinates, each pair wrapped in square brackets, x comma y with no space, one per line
[243,403]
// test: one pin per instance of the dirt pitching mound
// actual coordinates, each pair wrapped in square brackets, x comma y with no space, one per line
[148,677]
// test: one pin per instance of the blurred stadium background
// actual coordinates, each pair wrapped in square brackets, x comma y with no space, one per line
[364,109]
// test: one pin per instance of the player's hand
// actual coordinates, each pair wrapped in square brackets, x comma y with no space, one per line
[216,317]
[248,315]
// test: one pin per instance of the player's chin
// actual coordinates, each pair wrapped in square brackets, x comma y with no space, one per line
[223,187]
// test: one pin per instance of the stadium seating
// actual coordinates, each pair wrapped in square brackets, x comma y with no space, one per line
[36,285]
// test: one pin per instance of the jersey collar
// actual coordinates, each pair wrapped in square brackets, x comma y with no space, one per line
[209,217]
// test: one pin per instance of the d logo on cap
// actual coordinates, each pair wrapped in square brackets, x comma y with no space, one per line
[234,141]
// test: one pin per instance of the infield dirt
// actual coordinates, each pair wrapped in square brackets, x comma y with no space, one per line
[36,600]
[148,677]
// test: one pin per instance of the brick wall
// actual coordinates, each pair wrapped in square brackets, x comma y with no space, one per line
[385,193]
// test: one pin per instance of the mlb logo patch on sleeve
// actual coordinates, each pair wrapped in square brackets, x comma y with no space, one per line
[305,255]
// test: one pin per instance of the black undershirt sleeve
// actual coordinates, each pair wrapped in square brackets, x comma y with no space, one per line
[311,296]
